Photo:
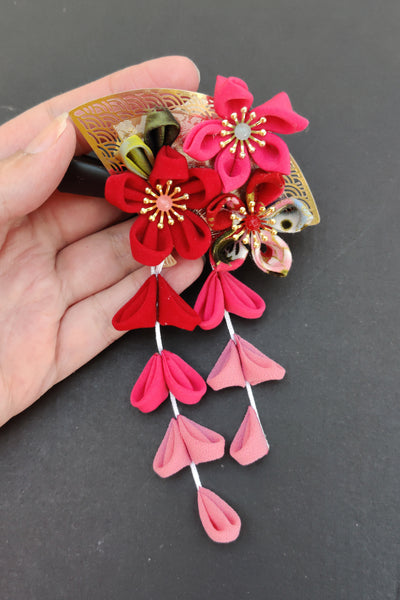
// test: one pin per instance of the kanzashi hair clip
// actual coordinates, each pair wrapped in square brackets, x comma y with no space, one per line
[204,175]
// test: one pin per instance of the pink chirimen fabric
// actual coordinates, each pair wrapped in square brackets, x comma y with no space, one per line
[203,444]
[249,443]
[227,371]
[221,523]
[172,455]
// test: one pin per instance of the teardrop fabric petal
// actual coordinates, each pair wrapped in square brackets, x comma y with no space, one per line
[210,305]
[257,367]
[239,298]
[203,444]
[249,443]
[172,455]
[139,311]
[227,371]
[182,380]
[173,310]
[221,523]
[150,389]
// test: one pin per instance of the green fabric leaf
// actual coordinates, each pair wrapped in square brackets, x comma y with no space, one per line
[161,129]
[137,156]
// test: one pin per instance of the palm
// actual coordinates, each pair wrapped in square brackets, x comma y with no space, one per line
[65,261]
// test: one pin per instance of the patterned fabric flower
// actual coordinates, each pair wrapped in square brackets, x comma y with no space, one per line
[256,223]
[165,205]
[242,133]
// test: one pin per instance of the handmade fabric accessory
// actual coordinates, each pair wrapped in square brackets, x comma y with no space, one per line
[204,175]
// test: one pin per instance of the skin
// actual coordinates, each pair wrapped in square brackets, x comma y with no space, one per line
[65,260]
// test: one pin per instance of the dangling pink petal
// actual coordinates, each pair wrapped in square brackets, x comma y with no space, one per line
[249,443]
[233,170]
[203,444]
[227,371]
[182,380]
[221,523]
[257,367]
[210,302]
[150,389]
[240,299]
[172,455]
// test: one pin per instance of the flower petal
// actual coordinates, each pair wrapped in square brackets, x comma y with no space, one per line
[169,164]
[210,302]
[220,209]
[182,380]
[264,188]
[274,156]
[239,298]
[126,191]
[233,170]
[172,455]
[221,523]
[203,444]
[139,311]
[280,115]
[249,443]
[202,186]
[149,244]
[273,256]
[150,389]
[291,215]
[173,310]
[230,95]
[191,237]
[203,141]
[257,367]
[227,371]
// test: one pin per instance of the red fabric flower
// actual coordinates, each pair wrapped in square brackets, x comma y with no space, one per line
[164,204]
[243,133]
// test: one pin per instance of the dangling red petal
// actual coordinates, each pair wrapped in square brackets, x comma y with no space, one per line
[139,311]
[257,367]
[249,443]
[172,455]
[227,371]
[173,310]
[240,299]
[203,444]
[221,523]
[182,380]
[150,389]
[210,302]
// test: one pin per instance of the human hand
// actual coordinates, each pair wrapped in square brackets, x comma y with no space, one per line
[65,260]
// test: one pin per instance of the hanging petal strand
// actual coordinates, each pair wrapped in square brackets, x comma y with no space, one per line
[182,380]
[150,389]
[257,367]
[139,311]
[210,302]
[221,523]
[249,443]
[280,115]
[172,455]
[239,298]
[203,444]
[173,310]
[227,371]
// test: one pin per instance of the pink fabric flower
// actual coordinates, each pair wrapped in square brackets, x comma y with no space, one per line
[242,133]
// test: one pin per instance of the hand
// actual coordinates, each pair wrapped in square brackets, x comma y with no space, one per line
[65,260]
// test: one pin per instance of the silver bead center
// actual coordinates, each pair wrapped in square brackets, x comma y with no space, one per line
[242,131]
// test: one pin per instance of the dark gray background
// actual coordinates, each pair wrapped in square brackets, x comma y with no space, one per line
[82,514]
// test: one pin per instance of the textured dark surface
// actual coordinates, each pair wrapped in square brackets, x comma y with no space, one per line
[82,514]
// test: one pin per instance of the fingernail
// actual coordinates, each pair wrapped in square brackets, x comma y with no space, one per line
[50,134]
[198,71]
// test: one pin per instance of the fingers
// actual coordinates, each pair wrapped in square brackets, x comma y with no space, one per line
[29,177]
[95,263]
[86,328]
[170,71]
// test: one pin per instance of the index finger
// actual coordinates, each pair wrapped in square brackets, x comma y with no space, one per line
[169,71]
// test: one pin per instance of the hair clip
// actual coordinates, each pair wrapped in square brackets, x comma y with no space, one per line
[204,175]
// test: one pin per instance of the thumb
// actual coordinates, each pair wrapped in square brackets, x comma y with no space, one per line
[30,176]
